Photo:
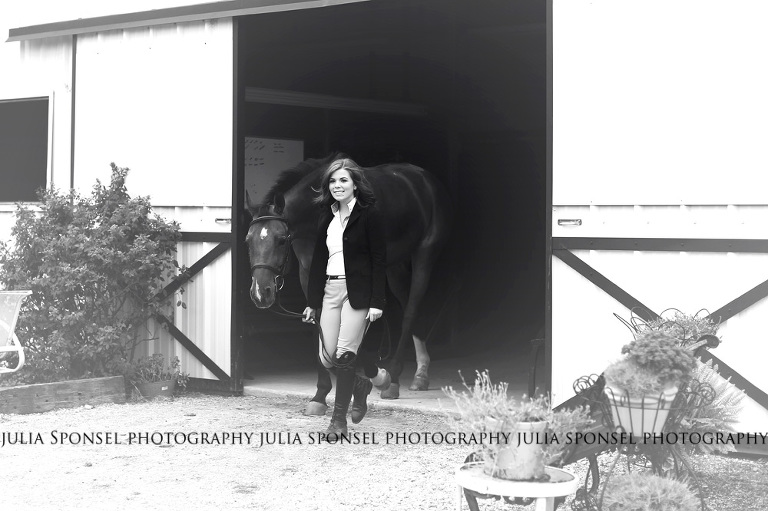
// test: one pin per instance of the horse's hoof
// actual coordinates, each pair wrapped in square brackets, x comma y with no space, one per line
[419,383]
[315,408]
[421,378]
[393,392]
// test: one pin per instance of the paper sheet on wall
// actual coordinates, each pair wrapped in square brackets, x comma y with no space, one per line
[265,159]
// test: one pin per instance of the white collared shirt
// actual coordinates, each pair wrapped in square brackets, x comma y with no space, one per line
[335,239]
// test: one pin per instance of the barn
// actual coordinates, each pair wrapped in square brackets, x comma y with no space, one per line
[600,157]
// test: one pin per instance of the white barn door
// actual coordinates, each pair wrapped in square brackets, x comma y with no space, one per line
[159,100]
[659,112]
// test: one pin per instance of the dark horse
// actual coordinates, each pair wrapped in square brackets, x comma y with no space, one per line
[417,221]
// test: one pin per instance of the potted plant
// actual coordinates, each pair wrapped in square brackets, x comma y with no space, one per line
[152,377]
[642,491]
[642,385]
[686,328]
[722,412]
[528,435]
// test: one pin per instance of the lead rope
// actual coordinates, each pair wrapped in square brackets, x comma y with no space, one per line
[331,359]
[365,332]
[283,311]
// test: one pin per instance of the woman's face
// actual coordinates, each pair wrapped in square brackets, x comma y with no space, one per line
[341,186]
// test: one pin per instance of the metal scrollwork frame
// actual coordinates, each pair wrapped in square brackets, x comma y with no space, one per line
[690,399]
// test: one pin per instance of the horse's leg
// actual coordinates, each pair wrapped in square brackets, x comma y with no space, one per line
[422,263]
[421,378]
[398,280]
[317,405]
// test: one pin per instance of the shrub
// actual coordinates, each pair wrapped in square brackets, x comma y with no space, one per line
[95,266]
[718,416]
[486,400]
[154,369]
[647,492]
[652,362]
[685,328]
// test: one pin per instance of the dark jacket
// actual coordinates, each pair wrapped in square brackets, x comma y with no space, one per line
[365,259]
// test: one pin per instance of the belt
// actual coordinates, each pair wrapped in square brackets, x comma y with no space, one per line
[335,277]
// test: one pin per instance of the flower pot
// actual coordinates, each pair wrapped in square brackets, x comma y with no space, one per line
[522,458]
[157,388]
[641,414]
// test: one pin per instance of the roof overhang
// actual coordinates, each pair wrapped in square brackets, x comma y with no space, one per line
[207,11]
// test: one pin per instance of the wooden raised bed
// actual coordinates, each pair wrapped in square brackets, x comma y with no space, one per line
[42,397]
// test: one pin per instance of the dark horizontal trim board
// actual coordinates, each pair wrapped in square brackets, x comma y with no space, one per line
[662,244]
[181,14]
[213,237]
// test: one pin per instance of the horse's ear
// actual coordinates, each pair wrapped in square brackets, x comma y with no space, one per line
[248,216]
[279,204]
[250,205]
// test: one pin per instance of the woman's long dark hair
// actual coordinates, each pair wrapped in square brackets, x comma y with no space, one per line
[363,193]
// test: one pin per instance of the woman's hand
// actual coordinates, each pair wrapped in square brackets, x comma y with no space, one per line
[309,315]
[374,314]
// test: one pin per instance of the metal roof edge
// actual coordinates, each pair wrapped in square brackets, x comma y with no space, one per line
[197,12]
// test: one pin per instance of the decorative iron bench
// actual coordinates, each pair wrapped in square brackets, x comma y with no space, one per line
[10,305]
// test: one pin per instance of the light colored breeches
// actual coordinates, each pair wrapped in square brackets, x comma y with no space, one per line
[343,327]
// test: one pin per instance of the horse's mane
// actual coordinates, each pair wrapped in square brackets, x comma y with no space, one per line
[290,177]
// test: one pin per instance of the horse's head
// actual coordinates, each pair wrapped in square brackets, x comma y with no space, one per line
[269,246]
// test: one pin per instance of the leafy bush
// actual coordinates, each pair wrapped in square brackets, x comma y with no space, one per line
[647,492]
[686,328]
[486,400]
[154,369]
[95,266]
[651,363]
[718,416]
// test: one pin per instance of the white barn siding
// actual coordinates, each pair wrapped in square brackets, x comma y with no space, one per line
[659,112]
[46,66]
[207,316]
[206,320]
[659,101]
[159,101]
[587,336]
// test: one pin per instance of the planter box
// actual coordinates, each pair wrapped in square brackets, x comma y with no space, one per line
[156,389]
[42,397]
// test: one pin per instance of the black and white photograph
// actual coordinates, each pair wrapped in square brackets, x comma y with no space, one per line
[384,254]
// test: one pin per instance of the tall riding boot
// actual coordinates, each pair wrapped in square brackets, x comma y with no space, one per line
[360,390]
[345,380]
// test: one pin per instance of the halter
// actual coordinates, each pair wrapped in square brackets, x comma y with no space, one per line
[278,271]
[288,238]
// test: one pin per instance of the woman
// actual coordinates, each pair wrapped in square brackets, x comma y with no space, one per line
[347,283]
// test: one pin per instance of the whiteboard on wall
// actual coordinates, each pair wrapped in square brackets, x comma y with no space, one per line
[265,159]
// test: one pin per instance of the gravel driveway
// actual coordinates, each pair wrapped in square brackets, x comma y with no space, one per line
[205,452]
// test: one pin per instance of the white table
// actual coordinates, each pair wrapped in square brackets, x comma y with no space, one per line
[470,476]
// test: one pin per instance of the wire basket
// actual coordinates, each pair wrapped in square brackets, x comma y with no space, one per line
[642,415]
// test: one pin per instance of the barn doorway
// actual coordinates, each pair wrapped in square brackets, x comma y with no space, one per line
[472,79]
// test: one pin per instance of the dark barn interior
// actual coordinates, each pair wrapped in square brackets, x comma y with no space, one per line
[477,70]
